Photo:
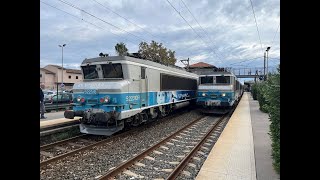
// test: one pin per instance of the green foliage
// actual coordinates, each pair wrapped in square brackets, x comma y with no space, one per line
[258,91]
[254,91]
[121,49]
[157,52]
[272,93]
[268,95]
[263,103]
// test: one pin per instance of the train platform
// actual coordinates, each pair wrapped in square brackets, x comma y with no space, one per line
[53,115]
[243,151]
[58,125]
[262,142]
[58,122]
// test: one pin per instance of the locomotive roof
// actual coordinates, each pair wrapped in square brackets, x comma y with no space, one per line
[208,73]
[137,60]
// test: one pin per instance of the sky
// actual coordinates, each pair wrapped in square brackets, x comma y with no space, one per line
[224,33]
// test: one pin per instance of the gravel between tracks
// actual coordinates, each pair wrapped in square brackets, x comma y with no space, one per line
[193,167]
[95,162]
[170,155]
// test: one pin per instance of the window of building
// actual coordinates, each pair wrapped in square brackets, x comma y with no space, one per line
[40,75]
[69,77]
[76,77]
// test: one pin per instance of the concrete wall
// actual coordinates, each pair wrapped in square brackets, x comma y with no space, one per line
[50,80]
[73,77]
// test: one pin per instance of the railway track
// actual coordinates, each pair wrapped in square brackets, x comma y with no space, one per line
[61,149]
[60,107]
[55,151]
[168,158]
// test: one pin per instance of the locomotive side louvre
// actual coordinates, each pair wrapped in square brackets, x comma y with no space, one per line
[120,90]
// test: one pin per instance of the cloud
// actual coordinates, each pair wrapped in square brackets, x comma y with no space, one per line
[229,34]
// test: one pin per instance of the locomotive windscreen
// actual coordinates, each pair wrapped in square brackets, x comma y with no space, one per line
[206,80]
[169,82]
[112,70]
[90,72]
[108,71]
[223,80]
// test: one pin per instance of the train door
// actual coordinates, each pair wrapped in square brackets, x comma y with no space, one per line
[143,88]
[234,90]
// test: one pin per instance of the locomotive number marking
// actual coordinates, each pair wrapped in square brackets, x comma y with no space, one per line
[132,98]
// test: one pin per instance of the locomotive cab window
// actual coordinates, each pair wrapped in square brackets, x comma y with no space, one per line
[112,70]
[222,80]
[90,72]
[206,80]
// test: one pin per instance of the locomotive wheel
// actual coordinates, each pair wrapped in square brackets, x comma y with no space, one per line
[136,120]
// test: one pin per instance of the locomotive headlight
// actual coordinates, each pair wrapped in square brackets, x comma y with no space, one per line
[82,100]
[223,94]
[78,98]
[106,99]
[203,94]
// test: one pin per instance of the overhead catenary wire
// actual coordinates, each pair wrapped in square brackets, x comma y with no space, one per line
[251,59]
[85,21]
[193,29]
[138,26]
[252,65]
[108,8]
[254,15]
[275,35]
[75,7]
[205,32]
[70,14]
[196,30]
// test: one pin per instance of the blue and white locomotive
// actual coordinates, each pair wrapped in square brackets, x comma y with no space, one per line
[218,91]
[119,91]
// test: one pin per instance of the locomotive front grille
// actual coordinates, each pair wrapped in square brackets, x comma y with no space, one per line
[213,95]
[92,101]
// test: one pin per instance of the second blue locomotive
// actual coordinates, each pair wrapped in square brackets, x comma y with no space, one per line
[218,91]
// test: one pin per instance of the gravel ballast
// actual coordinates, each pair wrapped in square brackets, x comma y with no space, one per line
[97,161]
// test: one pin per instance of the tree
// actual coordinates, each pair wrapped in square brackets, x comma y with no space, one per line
[157,52]
[121,49]
[272,94]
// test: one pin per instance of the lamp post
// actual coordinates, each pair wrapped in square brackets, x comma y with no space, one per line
[62,63]
[61,75]
[264,66]
[268,48]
